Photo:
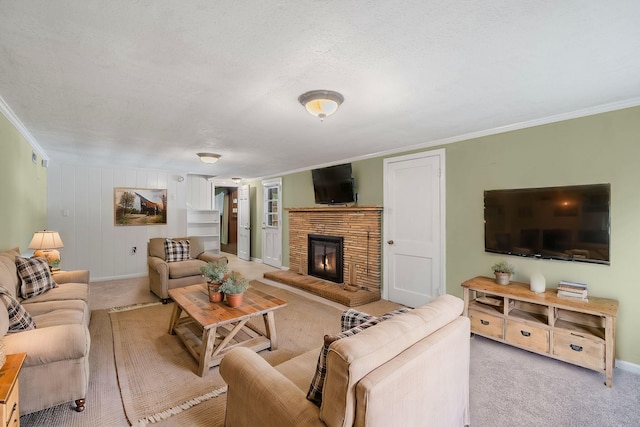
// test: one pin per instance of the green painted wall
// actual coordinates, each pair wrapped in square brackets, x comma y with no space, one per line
[23,190]
[603,148]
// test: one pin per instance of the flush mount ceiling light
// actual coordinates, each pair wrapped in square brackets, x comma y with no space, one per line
[236,180]
[321,103]
[209,157]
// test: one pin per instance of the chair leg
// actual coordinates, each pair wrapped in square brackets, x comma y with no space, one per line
[79,405]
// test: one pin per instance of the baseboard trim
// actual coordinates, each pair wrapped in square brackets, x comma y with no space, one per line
[628,366]
[126,276]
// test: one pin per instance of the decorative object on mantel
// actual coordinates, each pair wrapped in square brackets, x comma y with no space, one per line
[46,244]
[537,283]
[503,271]
[321,103]
[214,272]
[233,286]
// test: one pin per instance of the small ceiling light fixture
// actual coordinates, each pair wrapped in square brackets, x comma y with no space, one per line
[236,180]
[209,157]
[321,103]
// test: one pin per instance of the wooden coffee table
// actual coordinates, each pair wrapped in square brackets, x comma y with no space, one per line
[210,329]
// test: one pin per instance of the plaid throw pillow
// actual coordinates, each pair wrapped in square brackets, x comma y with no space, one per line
[176,250]
[19,318]
[351,318]
[317,382]
[35,276]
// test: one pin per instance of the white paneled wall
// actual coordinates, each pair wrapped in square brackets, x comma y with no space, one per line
[81,208]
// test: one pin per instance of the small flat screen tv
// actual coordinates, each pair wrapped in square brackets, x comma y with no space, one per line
[567,223]
[333,184]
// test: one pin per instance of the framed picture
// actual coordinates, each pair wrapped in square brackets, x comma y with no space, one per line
[140,206]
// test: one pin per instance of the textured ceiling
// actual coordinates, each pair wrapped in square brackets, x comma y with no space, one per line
[148,84]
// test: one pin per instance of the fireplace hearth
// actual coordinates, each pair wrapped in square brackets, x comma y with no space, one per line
[325,257]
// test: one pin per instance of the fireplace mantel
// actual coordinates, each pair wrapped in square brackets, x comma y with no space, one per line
[361,227]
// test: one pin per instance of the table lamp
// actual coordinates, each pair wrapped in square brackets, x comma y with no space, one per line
[46,244]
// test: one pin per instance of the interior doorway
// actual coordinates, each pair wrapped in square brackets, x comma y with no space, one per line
[227,204]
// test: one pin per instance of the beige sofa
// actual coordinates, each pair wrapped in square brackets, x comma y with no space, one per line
[410,370]
[165,275]
[56,369]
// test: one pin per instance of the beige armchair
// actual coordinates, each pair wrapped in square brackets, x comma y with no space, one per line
[165,275]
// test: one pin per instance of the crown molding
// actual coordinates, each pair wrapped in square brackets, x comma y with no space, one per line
[15,121]
[605,108]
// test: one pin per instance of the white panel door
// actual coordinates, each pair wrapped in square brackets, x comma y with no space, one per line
[272,223]
[414,228]
[244,224]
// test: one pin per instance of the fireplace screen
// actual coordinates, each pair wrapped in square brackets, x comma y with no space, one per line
[325,257]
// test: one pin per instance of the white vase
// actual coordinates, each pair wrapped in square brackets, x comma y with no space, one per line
[537,283]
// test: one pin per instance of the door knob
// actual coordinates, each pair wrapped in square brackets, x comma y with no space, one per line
[390,242]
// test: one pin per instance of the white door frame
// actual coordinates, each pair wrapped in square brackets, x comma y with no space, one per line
[244,223]
[276,259]
[442,288]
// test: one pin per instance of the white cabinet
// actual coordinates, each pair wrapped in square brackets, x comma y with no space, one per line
[205,225]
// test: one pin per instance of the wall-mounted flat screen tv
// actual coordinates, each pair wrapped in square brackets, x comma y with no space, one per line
[333,184]
[567,223]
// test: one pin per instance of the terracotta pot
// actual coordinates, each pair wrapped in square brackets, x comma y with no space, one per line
[502,278]
[234,300]
[214,294]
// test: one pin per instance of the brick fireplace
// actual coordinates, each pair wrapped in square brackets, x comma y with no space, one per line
[361,231]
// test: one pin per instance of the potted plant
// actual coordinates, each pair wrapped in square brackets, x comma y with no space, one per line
[214,272]
[503,271]
[233,287]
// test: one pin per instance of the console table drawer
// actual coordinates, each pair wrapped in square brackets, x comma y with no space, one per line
[486,324]
[528,336]
[582,350]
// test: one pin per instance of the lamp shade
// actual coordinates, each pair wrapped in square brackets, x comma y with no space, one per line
[46,240]
[321,103]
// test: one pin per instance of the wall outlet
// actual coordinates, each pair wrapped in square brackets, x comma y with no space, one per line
[133,250]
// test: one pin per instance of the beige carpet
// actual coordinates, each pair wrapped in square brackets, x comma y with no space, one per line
[157,374]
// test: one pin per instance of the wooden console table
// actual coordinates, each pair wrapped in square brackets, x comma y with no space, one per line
[578,332]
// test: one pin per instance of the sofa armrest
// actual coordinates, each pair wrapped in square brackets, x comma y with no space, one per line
[76,276]
[274,400]
[209,257]
[159,265]
[51,344]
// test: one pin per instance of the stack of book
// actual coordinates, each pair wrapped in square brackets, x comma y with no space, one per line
[573,290]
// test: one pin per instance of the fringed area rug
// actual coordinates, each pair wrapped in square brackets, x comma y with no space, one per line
[157,374]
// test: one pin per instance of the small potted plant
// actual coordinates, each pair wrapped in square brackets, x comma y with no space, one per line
[233,287]
[214,272]
[503,271]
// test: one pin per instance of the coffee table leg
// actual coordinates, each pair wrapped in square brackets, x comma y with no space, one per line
[270,328]
[206,349]
[177,311]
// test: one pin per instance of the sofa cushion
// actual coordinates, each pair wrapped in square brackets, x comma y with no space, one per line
[19,318]
[176,250]
[317,383]
[65,291]
[65,312]
[35,276]
[156,247]
[187,268]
